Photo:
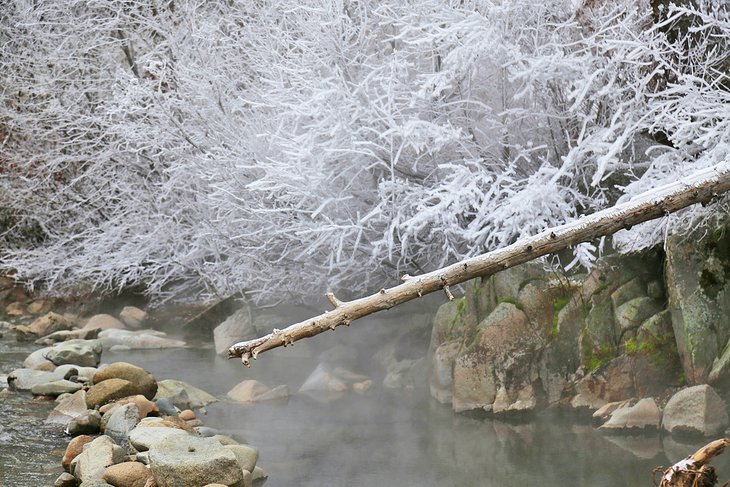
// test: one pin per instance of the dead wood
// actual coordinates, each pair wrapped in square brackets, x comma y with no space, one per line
[694,470]
[701,187]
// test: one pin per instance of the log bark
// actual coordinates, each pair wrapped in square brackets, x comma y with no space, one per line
[701,187]
[694,470]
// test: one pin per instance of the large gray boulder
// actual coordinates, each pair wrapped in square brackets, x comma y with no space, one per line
[696,411]
[644,415]
[25,379]
[192,461]
[143,437]
[237,327]
[85,353]
[182,394]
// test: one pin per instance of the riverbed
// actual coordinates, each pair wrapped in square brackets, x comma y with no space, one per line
[383,437]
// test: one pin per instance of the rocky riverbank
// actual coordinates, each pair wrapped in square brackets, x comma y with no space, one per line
[126,428]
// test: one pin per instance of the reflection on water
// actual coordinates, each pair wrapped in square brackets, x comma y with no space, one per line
[382,438]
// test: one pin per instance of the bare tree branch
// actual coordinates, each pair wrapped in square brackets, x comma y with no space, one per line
[701,187]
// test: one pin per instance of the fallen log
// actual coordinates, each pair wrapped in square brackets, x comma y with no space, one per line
[694,470]
[701,187]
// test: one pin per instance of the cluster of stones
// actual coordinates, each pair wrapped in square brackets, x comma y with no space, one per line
[128,429]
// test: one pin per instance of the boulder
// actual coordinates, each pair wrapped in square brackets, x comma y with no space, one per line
[39,306]
[85,353]
[25,379]
[66,335]
[108,391]
[632,289]
[182,394]
[74,448]
[255,391]
[132,316]
[68,409]
[89,466]
[602,414]
[180,461]
[37,360]
[82,374]
[55,388]
[643,415]
[127,474]
[631,314]
[246,456]
[326,378]
[65,480]
[144,383]
[237,327]
[441,381]
[45,325]
[120,423]
[103,322]
[590,392]
[697,411]
[137,340]
[144,405]
[87,423]
[142,438]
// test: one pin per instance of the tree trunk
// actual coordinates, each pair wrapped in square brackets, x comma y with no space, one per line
[701,187]
[694,470]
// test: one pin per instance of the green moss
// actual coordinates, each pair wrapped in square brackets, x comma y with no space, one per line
[558,305]
[631,346]
[595,358]
[514,302]
[524,283]
[460,310]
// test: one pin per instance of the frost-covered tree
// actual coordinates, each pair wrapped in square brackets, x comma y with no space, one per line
[292,147]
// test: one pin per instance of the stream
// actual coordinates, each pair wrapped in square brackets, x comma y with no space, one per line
[384,437]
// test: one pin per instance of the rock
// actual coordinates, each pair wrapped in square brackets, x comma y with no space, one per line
[74,448]
[254,391]
[37,360]
[696,411]
[187,415]
[109,390]
[103,322]
[132,316]
[144,383]
[181,461]
[85,353]
[442,365]
[225,440]
[590,393]
[236,328]
[142,438]
[631,314]
[88,423]
[25,379]
[127,474]
[43,326]
[139,339]
[68,409]
[259,476]
[633,289]
[89,466]
[66,335]
[144,405]
[644,415]
[602,414]
[183,395]
[245,455]
[699,300]
[166,406]
[55,388]
[65,480]
[207,432]
[120,423]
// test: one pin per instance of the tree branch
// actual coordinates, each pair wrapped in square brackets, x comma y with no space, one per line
[701,187]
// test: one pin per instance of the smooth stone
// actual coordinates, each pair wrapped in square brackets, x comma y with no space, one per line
[166,406]
[139,339]
[144,383]
[74,448]
[85,372]
[246,456]
[37,360]
[132,316]
[183,395]
[236,328]
[143,438]
[55,388]
[120,423]
[144,405]
[104,322]
[25,379]
[697,410]
[225,440]
[206,431]
[90,464]
[644,415]
[88,423]
[68,409]
[127,474]
[45,325]
[187,415]
[85,353]
[108,391]
[259,475]
[177,462]
[65,480]
[66,335]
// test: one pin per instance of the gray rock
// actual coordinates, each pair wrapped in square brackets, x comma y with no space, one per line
[90,464]
[207,431]
[631,314]
[38,361]
[182,394]
[87,423]
[166,407]
[65,335]
[696,411]
[194,461]
[142,438]
[120,423]
[246,456]
[69,408]
[644,415]
[140,339]
[81,372]
[55,388]
[25,379]
[259,476]
[237,327]
[631,290]
[65,480]
[85,353]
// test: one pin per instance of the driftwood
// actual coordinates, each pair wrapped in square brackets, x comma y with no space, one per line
[701,187]
[694,470]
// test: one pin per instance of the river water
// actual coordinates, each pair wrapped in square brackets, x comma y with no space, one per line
[384,437]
